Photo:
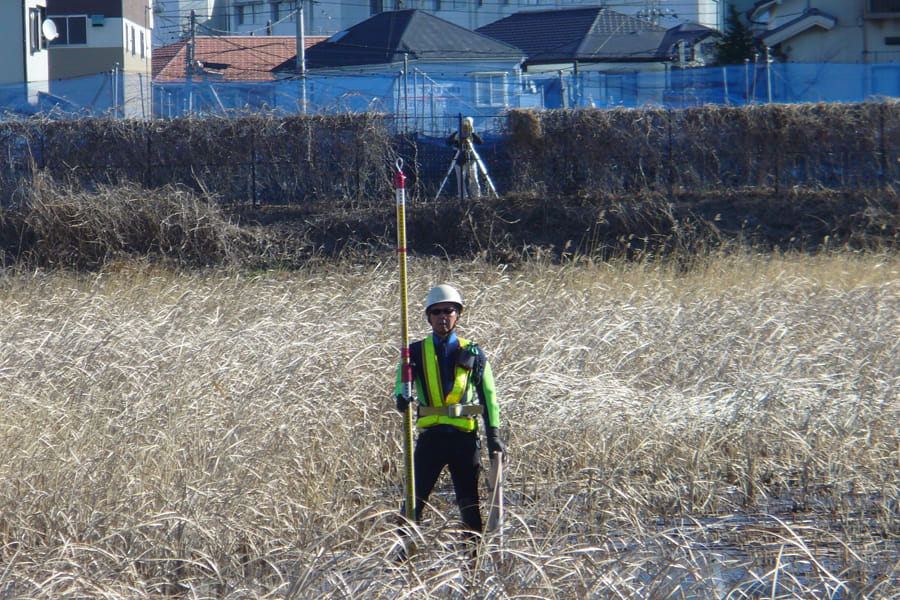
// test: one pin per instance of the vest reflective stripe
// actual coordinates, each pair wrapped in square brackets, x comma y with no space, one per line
[452,410]
[434,390]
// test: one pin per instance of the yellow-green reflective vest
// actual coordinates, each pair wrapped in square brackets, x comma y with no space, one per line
[434,391]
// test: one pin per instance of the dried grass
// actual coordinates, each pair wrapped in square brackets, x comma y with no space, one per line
[62,226]
[248,159]
[709,149]
[345,159]
[727,432]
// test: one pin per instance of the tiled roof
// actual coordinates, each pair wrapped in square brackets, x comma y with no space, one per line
[586,34]
[391,36]
[232,58]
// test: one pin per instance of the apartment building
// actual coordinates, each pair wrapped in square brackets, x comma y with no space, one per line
[109,41]
[172,20]
[829,31]
[326,17]
[96,36]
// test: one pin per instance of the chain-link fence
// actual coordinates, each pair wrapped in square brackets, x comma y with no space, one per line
[427,103]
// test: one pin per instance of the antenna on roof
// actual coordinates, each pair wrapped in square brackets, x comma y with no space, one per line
[652,12]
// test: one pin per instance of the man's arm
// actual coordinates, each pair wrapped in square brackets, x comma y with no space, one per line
[487,395]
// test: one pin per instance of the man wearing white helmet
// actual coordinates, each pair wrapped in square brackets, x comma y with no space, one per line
[450,375]
[466,167]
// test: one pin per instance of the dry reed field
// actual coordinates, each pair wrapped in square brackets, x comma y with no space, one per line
[727,432]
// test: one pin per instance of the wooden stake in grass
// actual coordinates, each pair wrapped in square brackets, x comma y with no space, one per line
[406,377]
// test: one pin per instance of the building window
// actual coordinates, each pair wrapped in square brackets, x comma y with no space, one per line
[490,89]
[284,11]
[72,30]
[36,17]
[142,45]
[133,43]
[376,6]
[248,14]
[884,6]
[882,9]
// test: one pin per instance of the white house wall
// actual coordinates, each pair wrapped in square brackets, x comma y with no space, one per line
[138,55]
[12,29]
[37,65]
[23,64]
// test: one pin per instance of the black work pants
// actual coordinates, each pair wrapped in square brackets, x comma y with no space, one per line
[460,451]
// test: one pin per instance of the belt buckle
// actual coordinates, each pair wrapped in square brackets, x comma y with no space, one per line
[455,410]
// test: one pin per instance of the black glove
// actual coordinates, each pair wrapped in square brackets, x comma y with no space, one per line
[494,443]
[402,402]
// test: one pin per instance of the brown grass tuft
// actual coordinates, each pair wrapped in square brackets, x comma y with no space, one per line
[60,225]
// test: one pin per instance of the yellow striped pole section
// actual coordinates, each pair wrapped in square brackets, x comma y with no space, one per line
[407,376]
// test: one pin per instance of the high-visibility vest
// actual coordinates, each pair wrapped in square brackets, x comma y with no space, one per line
[455,408]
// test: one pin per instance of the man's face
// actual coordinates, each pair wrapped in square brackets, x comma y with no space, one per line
[443,317]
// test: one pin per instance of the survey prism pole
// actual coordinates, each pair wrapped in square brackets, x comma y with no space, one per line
[406,366]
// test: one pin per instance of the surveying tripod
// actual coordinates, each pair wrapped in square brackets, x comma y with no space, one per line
[465,142]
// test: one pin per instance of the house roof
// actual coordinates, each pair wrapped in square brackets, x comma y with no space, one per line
[391,36]
[233,58]
[691,33]
[584,34]
[811,17]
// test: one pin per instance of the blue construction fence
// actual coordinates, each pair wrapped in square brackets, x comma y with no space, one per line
[429,103]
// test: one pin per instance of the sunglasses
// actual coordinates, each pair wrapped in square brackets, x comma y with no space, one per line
[441,311]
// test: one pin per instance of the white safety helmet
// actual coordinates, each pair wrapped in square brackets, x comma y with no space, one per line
[443,293]
[468,125]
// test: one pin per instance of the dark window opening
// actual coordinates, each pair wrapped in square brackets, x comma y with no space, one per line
[72,31]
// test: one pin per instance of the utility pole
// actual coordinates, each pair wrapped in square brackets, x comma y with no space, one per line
[189,60]
[405,92]
[115,90]
[301,53]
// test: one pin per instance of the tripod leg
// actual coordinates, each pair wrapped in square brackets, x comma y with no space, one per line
[460,181]
[473,186]
[447,176]
[484,172]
